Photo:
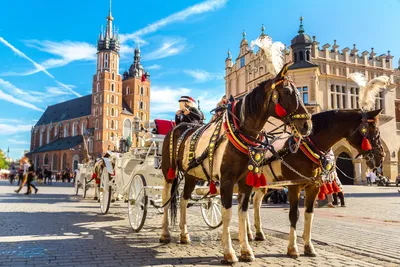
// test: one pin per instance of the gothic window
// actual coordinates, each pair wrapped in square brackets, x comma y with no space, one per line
[55,130]
[127,128]
[141,90]
[128,90]
[113,76]
[48,135]
[98,76]
[54,162]
[112,124]
[106,61]
[64,161]
[141,105]
[303,93]
[101,99]
[100,111]
[112,87]
[90,145]
[308,55]
[83,128]
[74,126]
[46,159]
[41,138]
[295,57]
[112,112]
[301,55]
[242,62]
[112,99]
[96,124]
[98,87]
[66,128]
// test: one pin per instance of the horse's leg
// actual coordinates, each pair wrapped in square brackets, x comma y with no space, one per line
[250,235]
[294,195]
[246,253]
[165,235]
[226,200]
[190,183]
[311,193]
[258,197]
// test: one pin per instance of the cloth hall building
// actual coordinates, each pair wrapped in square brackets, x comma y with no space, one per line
[90,125]
[320,74]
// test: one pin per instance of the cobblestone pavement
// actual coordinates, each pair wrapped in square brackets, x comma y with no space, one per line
[56,228]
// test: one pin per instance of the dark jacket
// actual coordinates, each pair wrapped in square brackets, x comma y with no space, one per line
[195,116]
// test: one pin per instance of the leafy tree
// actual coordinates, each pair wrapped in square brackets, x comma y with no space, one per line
[3,162]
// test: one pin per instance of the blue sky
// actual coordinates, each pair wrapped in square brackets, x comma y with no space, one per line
[47,48]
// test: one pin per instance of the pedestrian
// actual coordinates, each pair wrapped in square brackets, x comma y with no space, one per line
[24,167]
[339,194]
[31,175]
[20,175]
[368,176]
[372,175]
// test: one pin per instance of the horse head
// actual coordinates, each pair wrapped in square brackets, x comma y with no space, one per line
[366,138]
[287,104]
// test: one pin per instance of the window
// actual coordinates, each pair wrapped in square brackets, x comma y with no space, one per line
[107,137]
[112,112]
[100,111]
[101,99]
[338,96]
[74,128]
[354,98]
[141,90]
[116,125]
[112,76]
[96,124]
[112,87]
[107,124]
[46,159]
[112,124]
[379,102]
[48,135]
[308,55]
[66,128]
[112,137]
[83,128]
[107,111]
[112,99]
[41,138]
[98,76]
[106,61]
[56,130]
[141,105]
[303,93]
[242,62]
[128,90]
[344,102]
[98,87]
[127,128]
[301,55]
[96,111]
[90,145]
[295,57]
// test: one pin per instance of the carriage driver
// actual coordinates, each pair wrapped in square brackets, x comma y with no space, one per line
[188,111]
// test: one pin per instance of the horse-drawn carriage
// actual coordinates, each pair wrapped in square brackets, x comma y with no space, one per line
[136,177]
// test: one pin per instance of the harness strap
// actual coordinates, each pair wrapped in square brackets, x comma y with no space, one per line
[211,146]
[272,171]
[195,140]
[180,140]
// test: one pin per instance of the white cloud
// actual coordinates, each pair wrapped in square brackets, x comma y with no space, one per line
[7,120]
[154,67]
[168,48]
[38,66]
[12,99]
[6,129]
[200,8]
[202,75]
[165,99]
[17,142]
[17,92]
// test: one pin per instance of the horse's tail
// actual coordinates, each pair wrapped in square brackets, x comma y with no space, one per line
[174,201]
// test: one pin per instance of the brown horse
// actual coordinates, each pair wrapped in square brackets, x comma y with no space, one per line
[329,127]
[277,97]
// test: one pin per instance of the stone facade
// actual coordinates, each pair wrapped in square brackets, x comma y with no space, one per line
[320,74]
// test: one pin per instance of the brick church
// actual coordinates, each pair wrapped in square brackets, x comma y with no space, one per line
[90,125]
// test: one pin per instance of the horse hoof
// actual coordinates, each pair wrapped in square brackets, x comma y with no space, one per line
[229,258]
[185,239]
[309,251]
[165,239]
[246,256]
[96,198]
[250,237]
[293,253]
[260,236]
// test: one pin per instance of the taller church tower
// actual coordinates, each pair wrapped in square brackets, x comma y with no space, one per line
[107,90]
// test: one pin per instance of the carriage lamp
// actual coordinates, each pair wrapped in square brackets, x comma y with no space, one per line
[136,124]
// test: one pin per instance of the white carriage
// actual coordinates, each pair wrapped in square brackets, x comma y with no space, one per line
[84,179]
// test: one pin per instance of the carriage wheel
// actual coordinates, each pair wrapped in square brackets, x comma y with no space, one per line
[105,192]
[137,202]
[211,212]
[84,187]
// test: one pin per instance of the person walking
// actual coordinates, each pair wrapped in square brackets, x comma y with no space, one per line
[24,166]
[368,176]
[31,175]
[339,194]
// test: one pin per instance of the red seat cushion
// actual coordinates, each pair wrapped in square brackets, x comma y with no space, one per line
[164,126]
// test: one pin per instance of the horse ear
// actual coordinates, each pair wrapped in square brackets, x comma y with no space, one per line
[283,71]
[374,113]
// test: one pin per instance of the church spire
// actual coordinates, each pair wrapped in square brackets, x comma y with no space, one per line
[301,29]
[109,28]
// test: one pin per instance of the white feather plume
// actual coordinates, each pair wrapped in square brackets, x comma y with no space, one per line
[369,90]
[272,53]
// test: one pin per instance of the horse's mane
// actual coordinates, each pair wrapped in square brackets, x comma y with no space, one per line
[254,100]
[322,119]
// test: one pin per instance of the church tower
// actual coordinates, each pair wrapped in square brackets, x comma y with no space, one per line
[107,90]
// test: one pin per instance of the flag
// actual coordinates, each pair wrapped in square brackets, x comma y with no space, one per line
[143,77]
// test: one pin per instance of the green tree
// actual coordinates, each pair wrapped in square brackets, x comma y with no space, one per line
[3,162]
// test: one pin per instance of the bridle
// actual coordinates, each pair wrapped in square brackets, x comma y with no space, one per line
[288,118]
[367,150]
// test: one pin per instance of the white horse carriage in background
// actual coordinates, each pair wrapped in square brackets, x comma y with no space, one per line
[85,179]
